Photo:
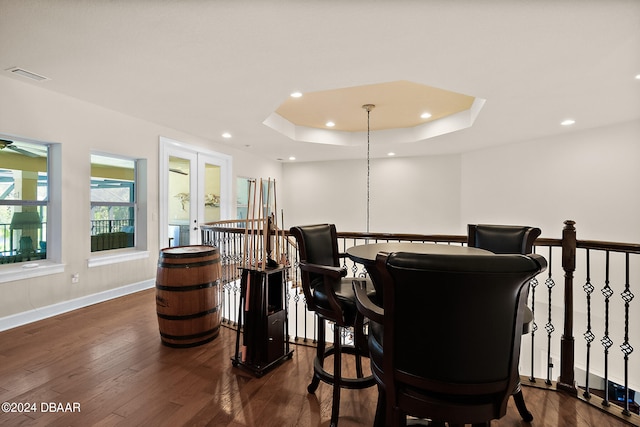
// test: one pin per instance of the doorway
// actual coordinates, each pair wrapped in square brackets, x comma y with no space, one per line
[195,188]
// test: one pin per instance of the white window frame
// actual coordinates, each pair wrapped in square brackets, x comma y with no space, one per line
[140,249]
[53,264]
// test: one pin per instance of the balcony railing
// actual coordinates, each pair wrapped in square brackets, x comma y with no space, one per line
[22,244]
[587,291]
[97,227]
[100,226]
[12,252]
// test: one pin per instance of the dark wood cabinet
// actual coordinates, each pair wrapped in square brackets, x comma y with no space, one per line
[261,340]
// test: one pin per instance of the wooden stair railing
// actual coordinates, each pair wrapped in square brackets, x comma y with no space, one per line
[225,233]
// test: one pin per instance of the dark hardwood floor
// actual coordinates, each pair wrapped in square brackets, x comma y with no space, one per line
[107,360]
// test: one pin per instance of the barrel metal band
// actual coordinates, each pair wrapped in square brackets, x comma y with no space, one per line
[188,265]
[188,316]
[189,337]
[187,288]
[201,254]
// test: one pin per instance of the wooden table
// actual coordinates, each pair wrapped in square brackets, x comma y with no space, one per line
[366,255]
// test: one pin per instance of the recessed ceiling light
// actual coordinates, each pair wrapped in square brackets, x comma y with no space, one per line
[425,115]
[28,74]
[292,158]
[567,122]
[391,154]
[226,135]
[637,76]
[296,94]
[330,124]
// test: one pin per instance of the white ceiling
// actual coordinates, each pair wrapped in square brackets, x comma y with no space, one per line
[208,67]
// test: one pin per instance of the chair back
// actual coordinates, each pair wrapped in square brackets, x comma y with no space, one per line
[502,239]
[452,327]
[317,244]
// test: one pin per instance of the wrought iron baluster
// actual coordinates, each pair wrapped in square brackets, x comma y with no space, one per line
[626,348]
[287,300]
[296,303]
[315,325]
[606,340]
[550,283]
[588,335]
[235,289]
[344,250]
[218,239]
[239,244]
[533,284]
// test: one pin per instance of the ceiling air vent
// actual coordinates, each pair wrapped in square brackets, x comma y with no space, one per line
[28,74]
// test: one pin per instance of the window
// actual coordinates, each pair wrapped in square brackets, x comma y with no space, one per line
[113,202]
[243,186]
[24,200]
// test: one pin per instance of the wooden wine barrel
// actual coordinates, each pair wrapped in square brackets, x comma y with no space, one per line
[188,300]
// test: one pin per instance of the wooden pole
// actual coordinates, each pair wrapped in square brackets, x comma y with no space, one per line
[246,228]
[250,219]
[252,245]
[267,227]
[259,225]
[566,381]
[275,221]
[284,242]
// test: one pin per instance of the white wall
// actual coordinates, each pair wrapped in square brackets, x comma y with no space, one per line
[591,177]
[407,195]
[33,112]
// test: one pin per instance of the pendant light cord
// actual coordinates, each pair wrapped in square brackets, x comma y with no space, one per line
[368,168]
[368,107]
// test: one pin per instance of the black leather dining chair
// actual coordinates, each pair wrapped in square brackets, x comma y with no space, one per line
[445,345]
[507,239]
[330,295]
[502,239]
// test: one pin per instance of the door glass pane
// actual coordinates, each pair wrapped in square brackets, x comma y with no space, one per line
[179,201]
[242,190]
[211,193]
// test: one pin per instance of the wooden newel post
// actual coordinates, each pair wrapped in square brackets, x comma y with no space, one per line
[566,382]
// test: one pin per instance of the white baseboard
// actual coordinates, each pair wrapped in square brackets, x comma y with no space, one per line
[41,313]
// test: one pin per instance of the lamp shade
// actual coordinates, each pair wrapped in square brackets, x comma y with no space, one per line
[22,220]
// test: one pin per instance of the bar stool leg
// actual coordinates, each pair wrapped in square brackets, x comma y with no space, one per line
[337,374]
[359,342]
[320,349]
[381,414]
[518,398]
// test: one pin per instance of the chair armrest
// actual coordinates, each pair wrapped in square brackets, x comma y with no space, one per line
[540,260]
[364,303]
[325,270]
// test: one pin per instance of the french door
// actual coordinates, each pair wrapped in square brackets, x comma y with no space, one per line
[195,188]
